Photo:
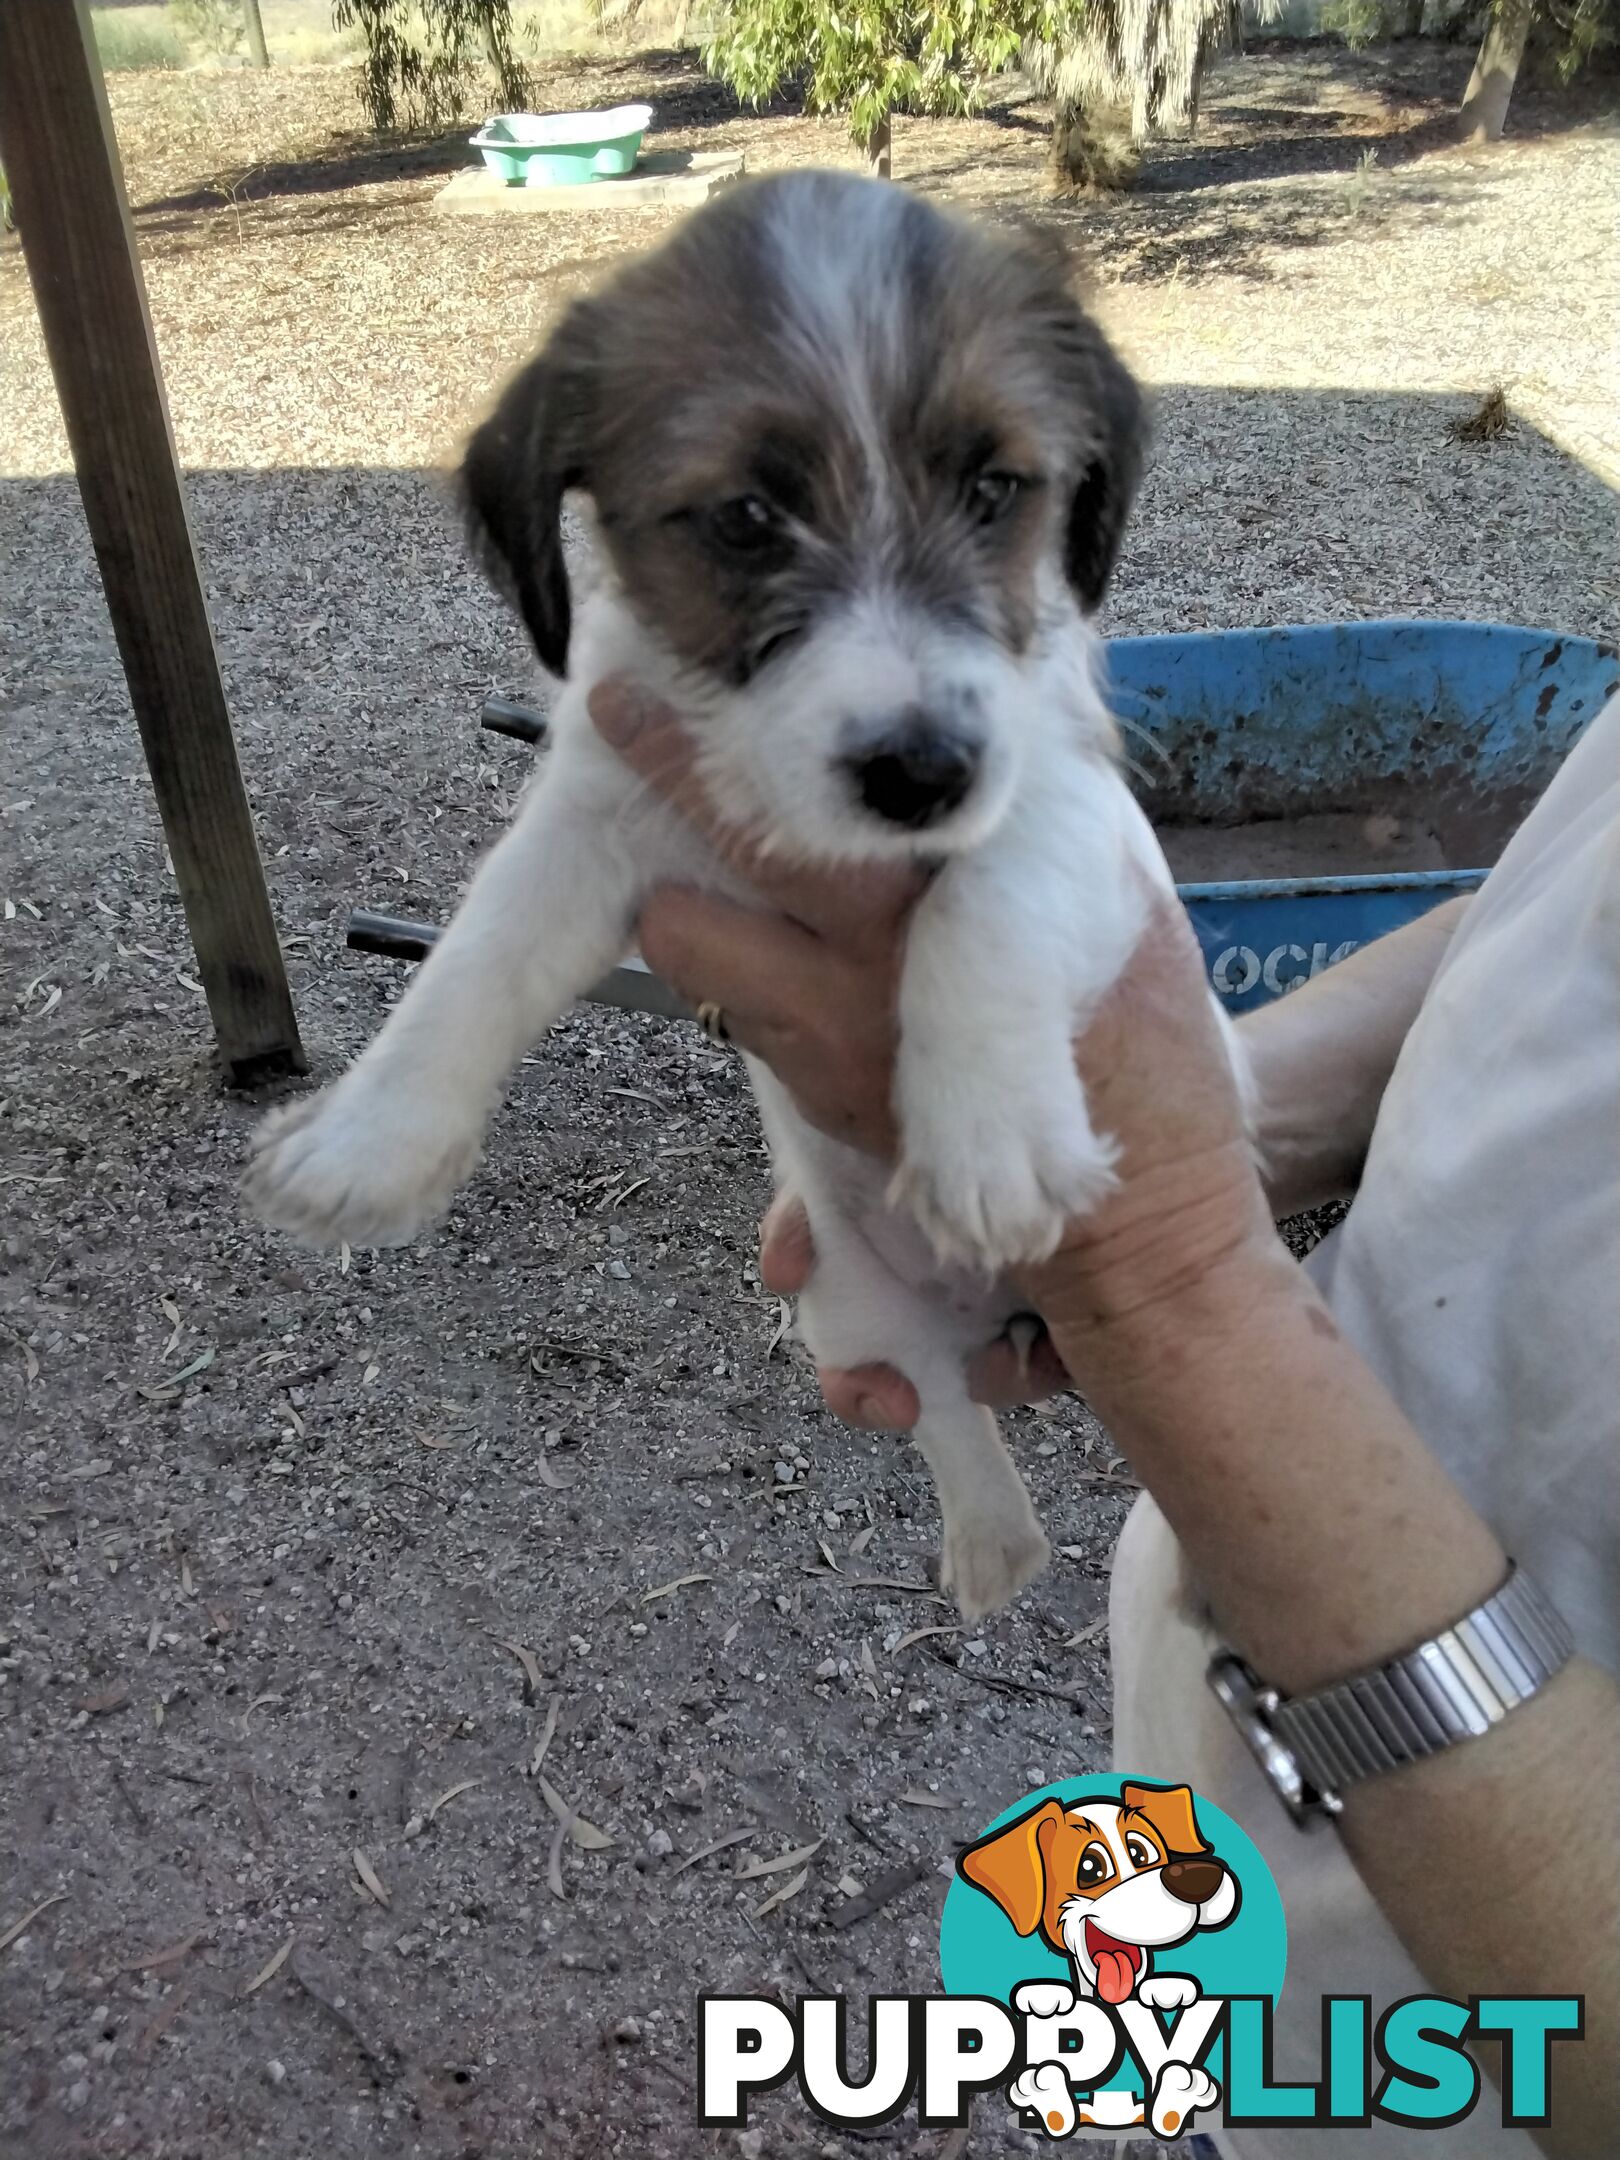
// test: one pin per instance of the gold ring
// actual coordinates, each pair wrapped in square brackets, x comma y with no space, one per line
[712,1020]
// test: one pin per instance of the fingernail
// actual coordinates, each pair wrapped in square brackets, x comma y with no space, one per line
[618,712]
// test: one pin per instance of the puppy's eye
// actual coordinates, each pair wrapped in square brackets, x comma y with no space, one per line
[991,495]
[1141,1852]
[1095,1865]
[745,524]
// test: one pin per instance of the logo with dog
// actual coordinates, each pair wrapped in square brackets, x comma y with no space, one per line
[1115,1917]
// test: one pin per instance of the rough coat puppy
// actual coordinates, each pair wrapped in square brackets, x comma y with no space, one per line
[859,471]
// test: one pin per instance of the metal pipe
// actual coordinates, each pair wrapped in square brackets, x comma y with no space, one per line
[502,716]
[632,987]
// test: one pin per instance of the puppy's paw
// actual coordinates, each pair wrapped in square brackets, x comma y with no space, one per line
[994,1185]
[360,1164]
[1043,1999]
[1168,1991]
[1177,2097]
[988,1559]
[1044,2090]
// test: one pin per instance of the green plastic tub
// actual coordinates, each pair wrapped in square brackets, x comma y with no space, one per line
[563,149]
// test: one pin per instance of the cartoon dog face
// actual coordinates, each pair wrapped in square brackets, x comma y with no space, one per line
[1106,1882]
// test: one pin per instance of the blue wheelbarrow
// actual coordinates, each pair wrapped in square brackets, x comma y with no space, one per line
[1314,788]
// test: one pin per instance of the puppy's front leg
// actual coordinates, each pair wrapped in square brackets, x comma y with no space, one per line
[372,1159]
[997,1148]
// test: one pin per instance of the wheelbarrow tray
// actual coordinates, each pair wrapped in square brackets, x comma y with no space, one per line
[1453,727]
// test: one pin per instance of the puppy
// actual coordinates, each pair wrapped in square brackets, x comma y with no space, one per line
[859,473]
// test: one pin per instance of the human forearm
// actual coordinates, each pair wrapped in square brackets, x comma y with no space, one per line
[1322,1057]
[1270,1444]
[1326,1539]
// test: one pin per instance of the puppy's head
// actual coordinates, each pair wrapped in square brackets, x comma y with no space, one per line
[859,470]
[1107,1882]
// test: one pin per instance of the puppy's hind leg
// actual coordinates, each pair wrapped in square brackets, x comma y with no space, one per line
[993,1545]
[856,1311]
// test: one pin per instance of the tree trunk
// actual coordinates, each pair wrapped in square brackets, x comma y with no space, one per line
[1484,107]
[1087,153]
[253,23]
[1406,19]
[876,147]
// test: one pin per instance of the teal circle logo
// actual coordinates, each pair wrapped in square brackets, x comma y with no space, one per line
[1050,1870]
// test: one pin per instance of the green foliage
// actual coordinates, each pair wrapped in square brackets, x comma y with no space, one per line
[214,25]
[123,44]
[1359,22]
[1581,30]
[420,56]
[868,58]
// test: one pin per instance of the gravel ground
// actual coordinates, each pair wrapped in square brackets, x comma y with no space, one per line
[307,1561]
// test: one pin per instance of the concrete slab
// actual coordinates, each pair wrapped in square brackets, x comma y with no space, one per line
[662,179]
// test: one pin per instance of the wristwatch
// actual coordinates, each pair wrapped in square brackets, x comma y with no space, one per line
[1452,1688]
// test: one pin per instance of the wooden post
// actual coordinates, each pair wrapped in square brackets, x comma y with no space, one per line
[68,195]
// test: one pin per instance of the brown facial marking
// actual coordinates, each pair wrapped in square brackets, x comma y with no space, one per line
[972,425]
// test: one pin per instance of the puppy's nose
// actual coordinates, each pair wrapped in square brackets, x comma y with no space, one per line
[916,773]
[1195,1882]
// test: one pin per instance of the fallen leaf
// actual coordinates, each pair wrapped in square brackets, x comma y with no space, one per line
[921,1634]
[426,1440]
[99,1468]
[532,1675]
[343,1259]
[649,1597]
[584,1834]
[778,1866]
[554,1873]
[827,1555]
[862,1538]
[914,1796]
[369,1878]
[784,1323]
[172,1956]
[271,1967]
[198,1364]
[548,1476]
[721,1844]
[1086,1634]
[21,1927]
[370,1374]
[553,1712]
[99,1705]
[171,1313]
[445,1798]
[788,1890]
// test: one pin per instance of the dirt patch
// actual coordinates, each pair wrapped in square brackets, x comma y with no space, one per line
[273,1526]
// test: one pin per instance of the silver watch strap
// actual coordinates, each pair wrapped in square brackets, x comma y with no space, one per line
[1450,1689]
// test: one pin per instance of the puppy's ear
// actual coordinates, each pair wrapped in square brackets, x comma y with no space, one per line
[1010,1866]
[1110,474]
[533,447]
[1107,413]
[1169,1808]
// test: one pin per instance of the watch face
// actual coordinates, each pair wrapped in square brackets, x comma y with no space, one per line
[1250,1707]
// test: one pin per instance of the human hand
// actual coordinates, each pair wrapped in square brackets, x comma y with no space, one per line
[1020,1366]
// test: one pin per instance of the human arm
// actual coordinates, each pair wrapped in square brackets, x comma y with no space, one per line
[1325,1536]
[1322,1057]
